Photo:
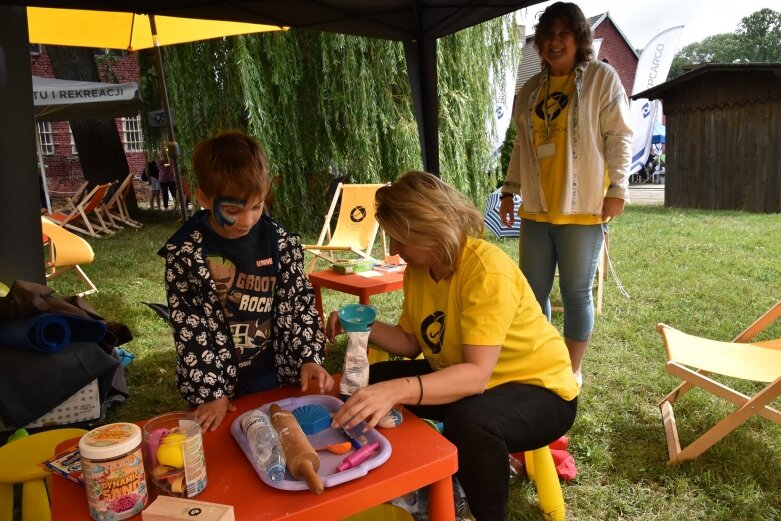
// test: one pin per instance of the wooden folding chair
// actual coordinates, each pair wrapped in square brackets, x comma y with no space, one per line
[78,219]
[694,359]
[111,219]
[77,196]
[66,251]
[116,209]
[356,226]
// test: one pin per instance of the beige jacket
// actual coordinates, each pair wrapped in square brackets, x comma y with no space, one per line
[599,137]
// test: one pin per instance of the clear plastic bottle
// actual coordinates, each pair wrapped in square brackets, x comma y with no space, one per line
[264,443]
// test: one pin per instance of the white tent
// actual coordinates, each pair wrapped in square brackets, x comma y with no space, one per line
[61,100]
[65,100]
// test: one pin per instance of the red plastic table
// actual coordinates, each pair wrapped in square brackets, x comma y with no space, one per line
[420,457]
[353,284]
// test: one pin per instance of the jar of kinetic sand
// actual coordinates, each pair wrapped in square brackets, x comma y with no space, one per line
[173,448]
[113,467]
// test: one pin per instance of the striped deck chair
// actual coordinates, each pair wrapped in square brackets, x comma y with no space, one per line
[78,219]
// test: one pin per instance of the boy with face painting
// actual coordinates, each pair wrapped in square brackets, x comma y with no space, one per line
[242,309]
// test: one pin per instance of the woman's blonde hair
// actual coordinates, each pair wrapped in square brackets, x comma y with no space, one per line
[421,210]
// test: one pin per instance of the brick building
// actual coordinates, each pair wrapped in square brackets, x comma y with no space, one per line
[63,168]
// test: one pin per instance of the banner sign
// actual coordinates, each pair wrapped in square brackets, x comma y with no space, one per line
[156,118]
[63,100]
[652,69]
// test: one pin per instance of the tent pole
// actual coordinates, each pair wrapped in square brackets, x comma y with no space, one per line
[22,257]
[172,146]
[421,57]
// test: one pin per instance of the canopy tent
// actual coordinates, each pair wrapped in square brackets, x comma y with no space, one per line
[64,100]
[133,31]
[416,23]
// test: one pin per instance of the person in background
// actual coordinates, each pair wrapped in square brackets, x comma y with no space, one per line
[167,180]
[495,371]
[570,163]
[242,310]
[153,173]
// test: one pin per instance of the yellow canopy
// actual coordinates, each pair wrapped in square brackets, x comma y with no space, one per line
[129,31]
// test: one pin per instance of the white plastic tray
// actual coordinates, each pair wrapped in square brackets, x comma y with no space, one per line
[328,460]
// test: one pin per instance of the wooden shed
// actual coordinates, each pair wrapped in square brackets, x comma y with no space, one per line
[723,143]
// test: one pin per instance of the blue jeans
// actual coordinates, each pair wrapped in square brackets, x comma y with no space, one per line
[575,249]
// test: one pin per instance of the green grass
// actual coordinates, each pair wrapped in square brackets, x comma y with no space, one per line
[707,273]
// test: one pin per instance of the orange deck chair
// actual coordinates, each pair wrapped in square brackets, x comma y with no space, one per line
[78,219]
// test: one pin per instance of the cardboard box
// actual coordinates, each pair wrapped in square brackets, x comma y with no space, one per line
[389,268]
[352,266]
[67,464]
[166,508]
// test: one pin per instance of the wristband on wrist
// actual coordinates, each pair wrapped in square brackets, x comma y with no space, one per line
[505,195]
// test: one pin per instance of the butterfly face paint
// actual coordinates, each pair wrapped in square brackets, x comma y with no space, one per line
[220,216]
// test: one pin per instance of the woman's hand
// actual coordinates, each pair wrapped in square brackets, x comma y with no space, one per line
[211,414]
[369,404]
[612,207]
[333,327]
[506,211]
[312,371]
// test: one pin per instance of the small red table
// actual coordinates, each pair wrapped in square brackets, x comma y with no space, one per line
[420,457]
[362,287]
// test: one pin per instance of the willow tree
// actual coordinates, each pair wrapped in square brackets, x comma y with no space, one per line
[325,104]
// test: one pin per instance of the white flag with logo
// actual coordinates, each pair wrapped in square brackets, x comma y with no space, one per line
[652,69]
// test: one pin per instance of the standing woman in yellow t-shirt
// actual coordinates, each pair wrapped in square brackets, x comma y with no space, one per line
[495,371]
[570,164]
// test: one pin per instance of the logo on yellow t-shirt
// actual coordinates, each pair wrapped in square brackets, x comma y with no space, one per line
[554,105]
[432,329]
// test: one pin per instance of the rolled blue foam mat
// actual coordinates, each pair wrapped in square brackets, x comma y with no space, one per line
[49,332]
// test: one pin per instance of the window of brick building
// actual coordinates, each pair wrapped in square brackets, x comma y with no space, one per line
[132,136]
[46,137]
[74,151]
[116,53]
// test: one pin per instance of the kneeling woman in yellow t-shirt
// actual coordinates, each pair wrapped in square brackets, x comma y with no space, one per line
[496,372]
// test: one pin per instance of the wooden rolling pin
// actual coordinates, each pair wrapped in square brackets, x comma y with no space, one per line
[302,460]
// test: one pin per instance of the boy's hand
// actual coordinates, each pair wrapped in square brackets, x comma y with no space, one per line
[369,404]
[333,327]
[211,414]
[313,371]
